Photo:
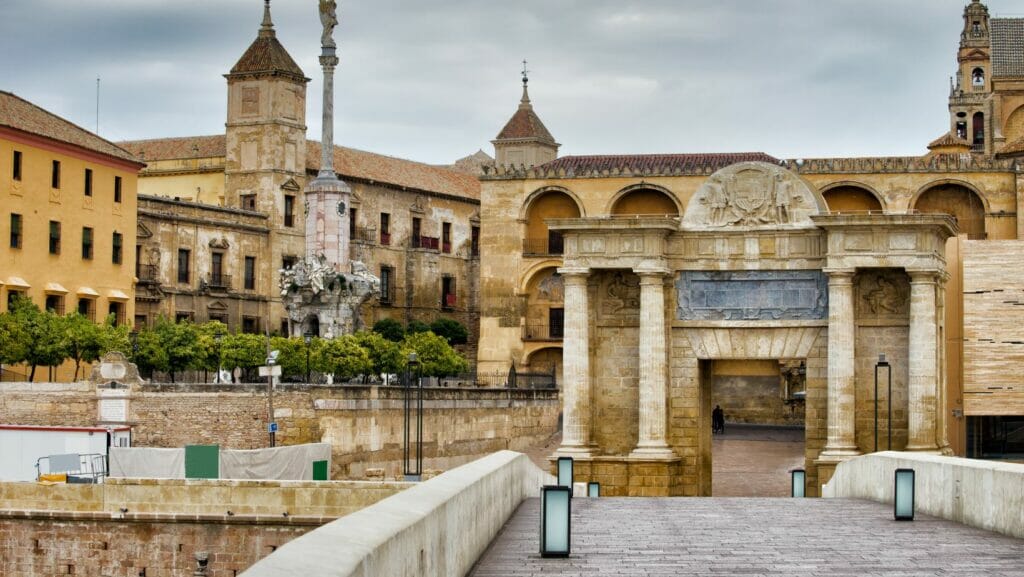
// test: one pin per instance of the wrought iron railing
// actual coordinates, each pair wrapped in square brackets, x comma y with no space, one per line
[543,332]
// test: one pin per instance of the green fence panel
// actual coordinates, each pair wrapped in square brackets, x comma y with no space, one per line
[202,461]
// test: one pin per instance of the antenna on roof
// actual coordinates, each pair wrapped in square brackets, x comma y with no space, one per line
[97,105]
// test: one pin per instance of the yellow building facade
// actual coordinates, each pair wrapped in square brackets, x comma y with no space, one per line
[68,220]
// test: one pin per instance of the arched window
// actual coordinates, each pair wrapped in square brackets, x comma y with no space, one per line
[552,204]
[645,202]
[958,201]
[979,128]
[978,77]
[851,199]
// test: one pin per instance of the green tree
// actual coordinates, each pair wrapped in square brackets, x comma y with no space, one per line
[116,337]
[385,355]
[452,330]
[45,344]
[436,357]
[208,347]
[292,357]
[13,340]
[149,355]
[416,326]
[180,342]
[84,339]
[342,357]
[244,351]
[390,329]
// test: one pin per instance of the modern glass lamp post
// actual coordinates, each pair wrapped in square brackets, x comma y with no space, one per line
[565,466]
[555,520]
[798,480]
[903,495]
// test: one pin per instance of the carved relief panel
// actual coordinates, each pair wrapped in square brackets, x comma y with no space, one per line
[752,295]
[751,194]
[882,294]
[619,296]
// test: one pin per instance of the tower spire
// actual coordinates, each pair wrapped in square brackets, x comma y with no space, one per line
[267,28]
[525,101]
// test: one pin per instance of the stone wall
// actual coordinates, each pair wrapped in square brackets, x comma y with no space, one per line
[34,544]
[363,423]
[752,392]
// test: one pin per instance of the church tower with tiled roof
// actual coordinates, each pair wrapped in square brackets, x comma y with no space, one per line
[266,140]
[524,141]
[970,95]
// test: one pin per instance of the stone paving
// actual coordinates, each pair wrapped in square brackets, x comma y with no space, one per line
[749,536]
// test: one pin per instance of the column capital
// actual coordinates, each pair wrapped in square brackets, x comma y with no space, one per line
[574,271]
[839,274]
[652,276]
[924,276]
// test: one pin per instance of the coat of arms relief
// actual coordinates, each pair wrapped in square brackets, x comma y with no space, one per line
[751,194]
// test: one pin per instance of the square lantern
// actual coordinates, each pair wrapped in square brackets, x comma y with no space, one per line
[593,489]
[555,511]
[798,479]
[903,495]
[565,472]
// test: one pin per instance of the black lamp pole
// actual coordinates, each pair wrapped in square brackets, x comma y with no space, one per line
[882,363]
[412,371]
[307,339]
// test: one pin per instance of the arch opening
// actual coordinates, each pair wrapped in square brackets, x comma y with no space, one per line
[958,201]
[850,198]
[539,240]
[645,202]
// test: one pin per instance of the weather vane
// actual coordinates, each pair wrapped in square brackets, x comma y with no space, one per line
[525,72]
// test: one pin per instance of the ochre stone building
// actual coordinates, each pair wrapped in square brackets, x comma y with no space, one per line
[68,202]
[655,283]
[222,214]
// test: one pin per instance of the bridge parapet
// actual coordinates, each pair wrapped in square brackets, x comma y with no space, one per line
[984,494]
[438,528]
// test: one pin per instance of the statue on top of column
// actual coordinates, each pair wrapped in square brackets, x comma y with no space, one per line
[329,19]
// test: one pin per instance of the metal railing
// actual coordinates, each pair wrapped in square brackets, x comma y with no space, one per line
[427,242]
[543,332]
[364,234]
[149,273]
[543,246]
[214,280]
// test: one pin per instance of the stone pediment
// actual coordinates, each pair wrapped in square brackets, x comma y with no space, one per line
[291,186]
[141,231]
[752,195]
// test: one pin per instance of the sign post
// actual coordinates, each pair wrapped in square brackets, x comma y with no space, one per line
[271,370]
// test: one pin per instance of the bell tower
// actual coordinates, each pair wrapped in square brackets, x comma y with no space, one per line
[970,100]
[266,145]
[524,141]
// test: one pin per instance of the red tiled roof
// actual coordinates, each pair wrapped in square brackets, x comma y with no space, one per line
[654,163]
[948,139]
[266,55]
[525,124]
[362,165]
[1014,147]
[20,114]
[186,147]
[348,163]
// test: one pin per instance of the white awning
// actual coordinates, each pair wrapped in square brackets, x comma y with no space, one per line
[17,282]
[85,291]
[56,288]
[116,295]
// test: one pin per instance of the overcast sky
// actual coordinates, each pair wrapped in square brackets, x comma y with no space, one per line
[434,80]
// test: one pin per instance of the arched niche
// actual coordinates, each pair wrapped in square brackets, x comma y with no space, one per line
[644,200]
[545,308]
[546,360]
[541,205]
[958,200]
[851,197]
[1014,127]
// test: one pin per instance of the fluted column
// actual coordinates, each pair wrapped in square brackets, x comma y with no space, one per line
[576,364]
[652,441]
[841,374]
[923,354]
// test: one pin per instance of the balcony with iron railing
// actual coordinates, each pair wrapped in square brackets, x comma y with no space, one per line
[218,280]
[553,245]
[385,239]
[426,242]
[149,274]
[544,332]
[363,234]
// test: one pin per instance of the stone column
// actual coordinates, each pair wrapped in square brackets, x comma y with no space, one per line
[652,442]
[841,382]
[576,364]
[923,358]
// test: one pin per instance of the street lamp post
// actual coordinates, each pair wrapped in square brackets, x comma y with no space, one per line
[307,339]
[220,358]
[411,371]
[271,425]
[882,363]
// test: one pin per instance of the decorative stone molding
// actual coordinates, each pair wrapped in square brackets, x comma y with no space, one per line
[754,195]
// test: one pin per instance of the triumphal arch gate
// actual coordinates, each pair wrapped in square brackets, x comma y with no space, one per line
[755,269]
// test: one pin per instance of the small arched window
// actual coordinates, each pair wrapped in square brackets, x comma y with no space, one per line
[978,77]
[978,128]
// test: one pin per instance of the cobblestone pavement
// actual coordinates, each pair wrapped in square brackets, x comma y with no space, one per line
[735,536]
[755,460]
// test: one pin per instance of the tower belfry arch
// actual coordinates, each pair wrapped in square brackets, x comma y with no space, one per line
[756,268]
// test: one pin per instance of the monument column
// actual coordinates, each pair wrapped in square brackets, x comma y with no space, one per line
[653,366]
[576,364]
[841,375]
[923,358]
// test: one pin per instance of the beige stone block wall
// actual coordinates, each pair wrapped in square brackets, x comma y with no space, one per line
[893,341]
[615,399]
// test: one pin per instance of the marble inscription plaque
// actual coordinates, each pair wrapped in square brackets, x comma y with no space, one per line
[752,295]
